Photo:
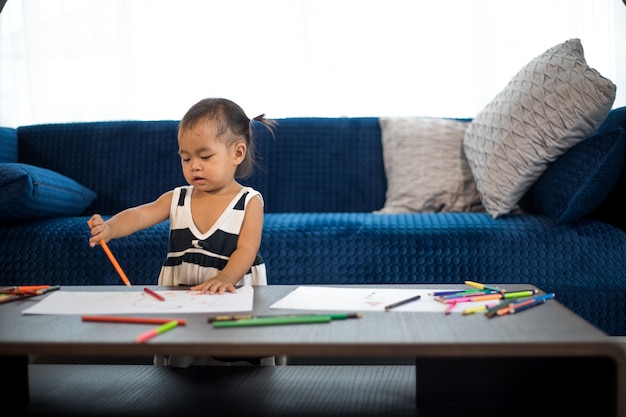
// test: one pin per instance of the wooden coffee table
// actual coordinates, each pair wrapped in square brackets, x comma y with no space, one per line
[545,357]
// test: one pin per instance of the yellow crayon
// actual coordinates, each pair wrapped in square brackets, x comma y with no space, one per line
[477,309]
[483,286]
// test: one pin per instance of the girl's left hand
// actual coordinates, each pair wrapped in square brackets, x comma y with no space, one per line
[216,285]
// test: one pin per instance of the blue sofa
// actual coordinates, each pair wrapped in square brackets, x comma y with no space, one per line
[322,180]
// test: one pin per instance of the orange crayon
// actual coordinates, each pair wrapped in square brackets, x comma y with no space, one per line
[116,265]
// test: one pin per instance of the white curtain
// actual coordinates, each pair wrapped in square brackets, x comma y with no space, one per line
[90,60]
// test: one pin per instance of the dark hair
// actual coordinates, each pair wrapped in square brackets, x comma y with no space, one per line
[232,124]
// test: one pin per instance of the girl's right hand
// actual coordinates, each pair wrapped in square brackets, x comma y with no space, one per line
[99,230]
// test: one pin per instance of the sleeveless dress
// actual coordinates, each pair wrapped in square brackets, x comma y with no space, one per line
[193,257]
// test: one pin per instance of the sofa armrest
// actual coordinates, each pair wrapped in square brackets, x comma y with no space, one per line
[8,144]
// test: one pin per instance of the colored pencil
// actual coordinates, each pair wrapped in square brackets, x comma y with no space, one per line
[477,309]
[22,289]
[483,286]
[116,265]
[450,307]
[40,291]
[451,292]
[494,296]
[7,298]
[154,294]
[513,310]
[143,337]
[530,302]
[333,316]
[493,310]
[402,302]
[271,321]
[136,320]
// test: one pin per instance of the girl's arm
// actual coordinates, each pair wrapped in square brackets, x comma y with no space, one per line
[130,220]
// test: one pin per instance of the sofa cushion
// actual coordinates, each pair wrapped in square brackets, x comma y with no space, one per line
[30,192]
[612,208]
[577,182]
[550,105]
[425,166]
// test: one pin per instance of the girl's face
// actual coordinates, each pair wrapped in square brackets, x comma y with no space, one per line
[208,163]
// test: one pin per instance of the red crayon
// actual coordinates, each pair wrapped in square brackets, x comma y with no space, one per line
[154,294]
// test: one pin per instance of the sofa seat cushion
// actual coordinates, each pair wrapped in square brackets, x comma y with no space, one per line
[361,248]
[56,251]
[30,192]
[448,248]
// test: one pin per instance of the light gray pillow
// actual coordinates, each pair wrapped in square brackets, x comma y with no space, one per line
[425,166]
[550,105]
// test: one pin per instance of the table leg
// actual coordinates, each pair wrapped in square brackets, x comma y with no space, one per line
[15,373]
[561,384]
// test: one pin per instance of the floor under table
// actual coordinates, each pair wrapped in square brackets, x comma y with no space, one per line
[140,390]
[144,390]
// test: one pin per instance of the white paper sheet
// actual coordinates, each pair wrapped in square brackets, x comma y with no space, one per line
[181,301]
[366,299]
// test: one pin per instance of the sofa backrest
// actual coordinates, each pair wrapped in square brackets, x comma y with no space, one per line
[321,165]
[126,163]
[312,164]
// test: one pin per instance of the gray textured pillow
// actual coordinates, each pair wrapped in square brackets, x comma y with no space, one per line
[425,166]
[550,105]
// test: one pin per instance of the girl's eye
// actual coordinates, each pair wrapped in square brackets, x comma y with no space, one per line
[205,157]
[186,159]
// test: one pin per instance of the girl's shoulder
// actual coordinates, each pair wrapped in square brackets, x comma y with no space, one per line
[251,193]
[178,194]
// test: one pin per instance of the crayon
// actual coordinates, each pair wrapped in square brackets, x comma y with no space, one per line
[116,265]
[143,337]
[131,320]
[483,286]
[22,289]
[154,294]
[271,321]
[402,302]
[333,316]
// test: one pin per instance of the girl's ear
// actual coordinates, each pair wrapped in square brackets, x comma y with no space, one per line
[239,152]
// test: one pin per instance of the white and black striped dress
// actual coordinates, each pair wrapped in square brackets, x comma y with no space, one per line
[194,257]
